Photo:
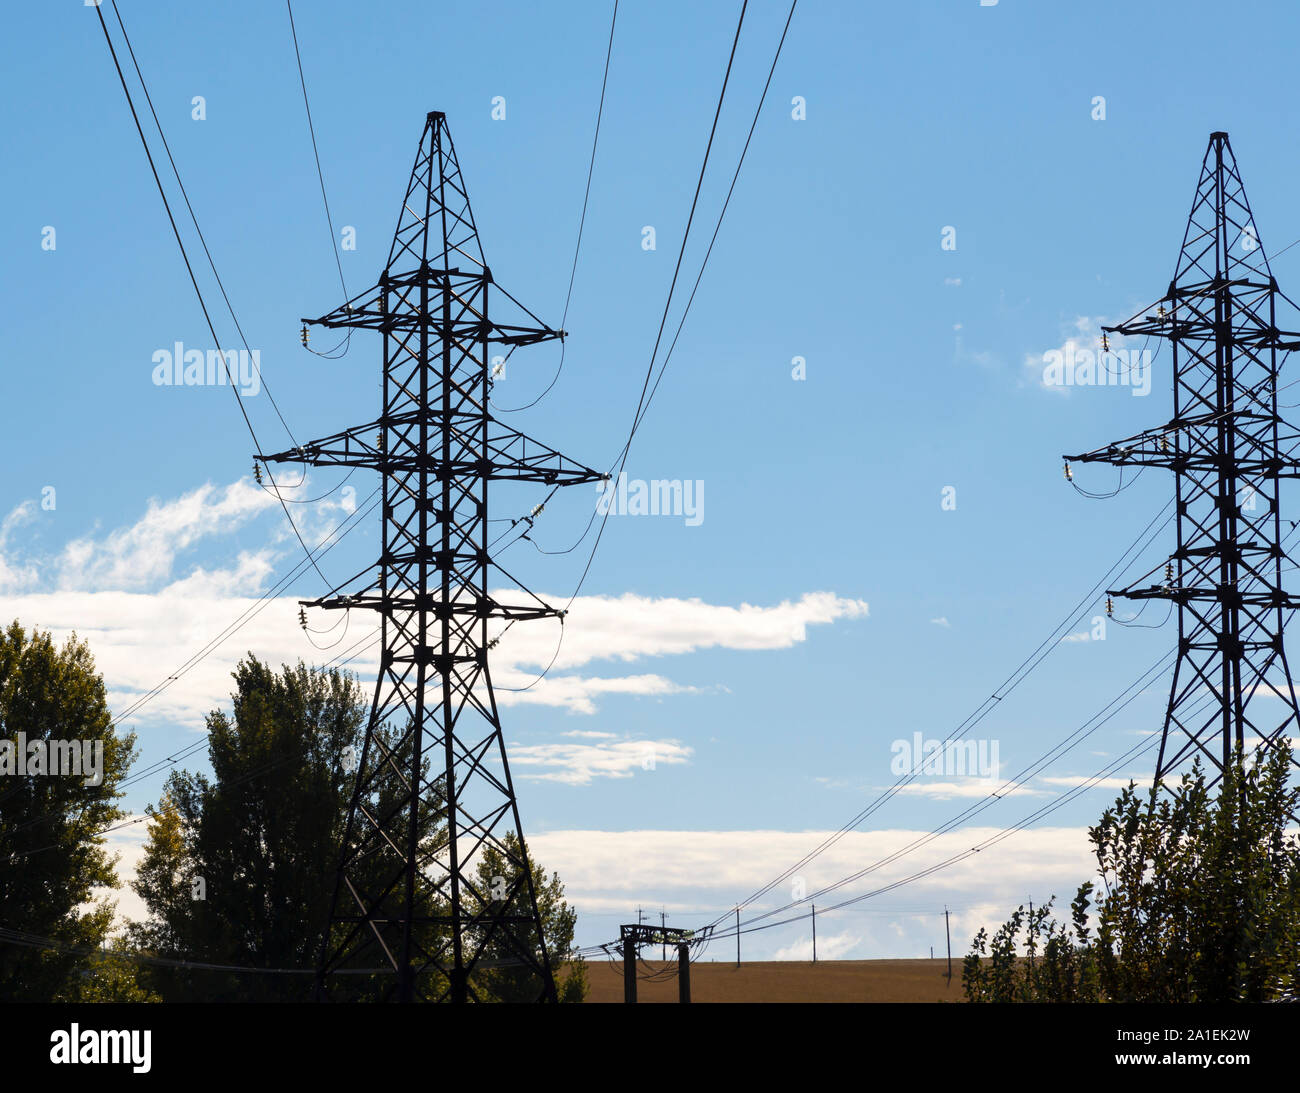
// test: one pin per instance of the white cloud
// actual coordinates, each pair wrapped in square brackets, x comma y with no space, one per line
[651,865]
[578,764]
[127,844]
[145,609]
[1081,333]
[142,554]
[971,787]
[631,626]
[829,947]
[14,575]
[1143,780]
[696,875]
[942,621]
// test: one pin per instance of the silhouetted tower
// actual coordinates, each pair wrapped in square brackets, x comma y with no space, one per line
[433,794]
[1229,450]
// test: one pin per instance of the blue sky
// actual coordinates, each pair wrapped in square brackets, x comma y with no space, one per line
[771,723]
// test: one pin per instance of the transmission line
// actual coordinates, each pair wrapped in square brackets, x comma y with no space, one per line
[1012,681]
[582,220]
[185,257]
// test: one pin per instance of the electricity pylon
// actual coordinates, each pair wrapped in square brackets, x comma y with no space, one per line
[1229,450]
[433,794]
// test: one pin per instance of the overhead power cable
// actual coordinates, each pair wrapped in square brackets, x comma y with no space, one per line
[582,221]
[646,390]
[1133,753]
[320,174]
[1009,684]
[185,257]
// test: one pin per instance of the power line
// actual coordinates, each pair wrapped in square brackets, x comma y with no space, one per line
[1061,748]
[185,255]
[1009,684]
[311,128]
[577,249]
[621,460]
[1033,817]
[718,226]
[324,547]
[1004,789]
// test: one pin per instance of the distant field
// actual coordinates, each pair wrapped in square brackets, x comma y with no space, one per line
[789,981]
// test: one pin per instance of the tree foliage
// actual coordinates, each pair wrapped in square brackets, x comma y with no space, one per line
[517,983]
[239,868]
[1201,903]
[52,851]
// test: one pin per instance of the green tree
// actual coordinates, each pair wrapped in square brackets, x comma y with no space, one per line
[238,868]
[1202,901]
[108,977]
[500,872]
[52,850]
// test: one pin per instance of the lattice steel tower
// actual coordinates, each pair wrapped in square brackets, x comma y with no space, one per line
[433,791]
[1229,450]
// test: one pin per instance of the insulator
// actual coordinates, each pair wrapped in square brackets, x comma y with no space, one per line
[1105,342]
[1160,311]
[306,334]
[257,472]
[1110,607]
[1164,442]
[1169,573]
[536,511]
[302,618]
[379,440]
[1069,474]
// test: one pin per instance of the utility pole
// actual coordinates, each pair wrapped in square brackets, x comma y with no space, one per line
[814,926]
[663,951]
[631,938]
[948,933]
[629,969]
[737,937]
[433,790]
[1229,450]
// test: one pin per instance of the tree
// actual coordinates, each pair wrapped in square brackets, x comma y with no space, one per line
[498,872]
[238,868]
[1202,901]
[108,977]
[52,851]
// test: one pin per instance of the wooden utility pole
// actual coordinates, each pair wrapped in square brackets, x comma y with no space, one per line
[814,925]
[947,931]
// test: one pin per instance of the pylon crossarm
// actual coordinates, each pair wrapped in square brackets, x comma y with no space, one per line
[518,457]
[357,447]
[1191,444]
[1230,450]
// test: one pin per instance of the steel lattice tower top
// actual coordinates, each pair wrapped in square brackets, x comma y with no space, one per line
[1229,450]
[434,798]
